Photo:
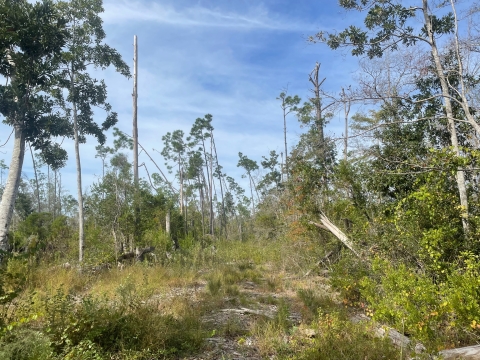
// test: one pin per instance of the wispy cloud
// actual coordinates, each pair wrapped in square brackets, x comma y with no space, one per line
[256,17]
[229,59]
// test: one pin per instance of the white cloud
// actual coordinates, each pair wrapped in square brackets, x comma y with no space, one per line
[196,60]
[256,17]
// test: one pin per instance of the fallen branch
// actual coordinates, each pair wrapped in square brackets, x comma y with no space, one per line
[382,331]
[244,311]
[138,254]
[400,340]
[154,163]
[317,264]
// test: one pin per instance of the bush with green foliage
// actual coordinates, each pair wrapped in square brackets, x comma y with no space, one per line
[339,338]
[100,327]
[25,344]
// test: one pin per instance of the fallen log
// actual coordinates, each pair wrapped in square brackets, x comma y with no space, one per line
[466,353]
[382,331]
[138,254]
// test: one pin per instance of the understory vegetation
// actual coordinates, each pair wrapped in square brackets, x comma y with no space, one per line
[325,251]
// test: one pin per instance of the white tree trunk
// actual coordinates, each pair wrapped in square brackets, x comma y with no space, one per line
[285,138]
[463,89]
[462,189]
[167,222]
[81,235]
[212,215]
[11,187]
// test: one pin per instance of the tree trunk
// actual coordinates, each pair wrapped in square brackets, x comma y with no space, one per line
[36,179]
[186,214]
[207,180]
[167,222]
[180,174]
[49,191]
[200,190]
[206,193]
[54,194]
[135,127]
[318,104]
[81,235]
[60,193]
[255,187]
[346,107]
[211,184]
[136,200]
[281,167]
[11,187]
[463,90]
[462,189]
[224,217]
[251,194]
[285,138]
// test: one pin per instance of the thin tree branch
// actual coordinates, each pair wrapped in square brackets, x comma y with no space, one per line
[5,143]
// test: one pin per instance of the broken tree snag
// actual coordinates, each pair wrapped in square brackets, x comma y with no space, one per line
[140,253]
[328,225]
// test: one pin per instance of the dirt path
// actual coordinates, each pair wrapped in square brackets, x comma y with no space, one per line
[233,324]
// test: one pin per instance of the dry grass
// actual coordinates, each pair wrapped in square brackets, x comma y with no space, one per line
[189,292]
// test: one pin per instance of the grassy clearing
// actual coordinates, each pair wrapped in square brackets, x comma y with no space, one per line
[167,311]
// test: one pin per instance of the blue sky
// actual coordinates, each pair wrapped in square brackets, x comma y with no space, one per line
[227,58]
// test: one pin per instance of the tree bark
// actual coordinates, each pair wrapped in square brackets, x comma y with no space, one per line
[318,104]
[180,174]
[60,193]
[211,184]
[11,187]
[54,193]
[460,176]
[200,190]
[463,91]
[346,107]
[36,179]
[251,194]
[49,191]
[224,217]
[285,138]
[135,97]
[81,235]
[167,222]
[136,230]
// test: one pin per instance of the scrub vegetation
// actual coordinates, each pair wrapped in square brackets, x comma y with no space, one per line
[359,247]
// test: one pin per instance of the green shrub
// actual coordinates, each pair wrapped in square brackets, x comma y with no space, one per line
[436,313]
[461,298]
[25,344]
[404,299]
[85,350]
[100,326]
[314,303]
[346,276]
[214,285]
[339,338]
